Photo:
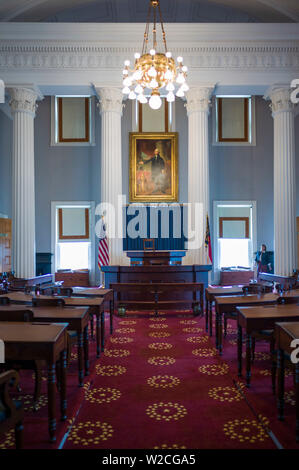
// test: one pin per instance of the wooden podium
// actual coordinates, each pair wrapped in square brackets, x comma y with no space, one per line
[155,258]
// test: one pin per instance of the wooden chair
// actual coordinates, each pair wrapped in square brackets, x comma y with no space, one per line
[249,289]
[11,411]
[40,302]
[287,300]
[254,289]
[56,290]
[27,316]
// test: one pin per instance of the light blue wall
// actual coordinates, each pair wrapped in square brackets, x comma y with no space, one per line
[5,164]
[246,173]
[72,174]
[61,174]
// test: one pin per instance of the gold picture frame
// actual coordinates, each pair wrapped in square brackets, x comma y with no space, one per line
[153,167]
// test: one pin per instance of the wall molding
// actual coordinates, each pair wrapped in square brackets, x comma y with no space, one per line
[223,53]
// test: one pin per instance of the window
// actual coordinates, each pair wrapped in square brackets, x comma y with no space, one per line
[73,255]
[234,120]
[73,241]
[235,252]
[234,235]
[72,120]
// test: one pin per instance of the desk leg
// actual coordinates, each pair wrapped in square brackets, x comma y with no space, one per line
[240,344]
[220,333]
[211,316]
[91,325]
[98,334]
[280,384]
[52,401]
[63,401]
[86,351]
[248,360]
[217,330]
[102,331]
[80,359]
[111,316]
[207,315]
[297,400]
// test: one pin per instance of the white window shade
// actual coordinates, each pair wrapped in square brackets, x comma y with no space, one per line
[234,227]
[73,223]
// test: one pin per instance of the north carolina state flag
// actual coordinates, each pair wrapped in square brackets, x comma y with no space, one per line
[208,244]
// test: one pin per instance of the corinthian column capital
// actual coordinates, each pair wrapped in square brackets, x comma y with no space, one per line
[280,97]
[199,98]
[110,99]
[23,100]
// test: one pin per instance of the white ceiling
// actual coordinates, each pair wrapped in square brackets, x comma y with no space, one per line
[279,11]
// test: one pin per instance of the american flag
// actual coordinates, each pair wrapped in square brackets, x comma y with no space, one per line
[103,251]
[208,244]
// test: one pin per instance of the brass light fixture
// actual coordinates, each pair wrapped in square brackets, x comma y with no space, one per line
[154,70]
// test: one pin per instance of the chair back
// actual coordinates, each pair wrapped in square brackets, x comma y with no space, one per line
[287,300]
[40,302]
[16,315]
[254,289]
[66,291]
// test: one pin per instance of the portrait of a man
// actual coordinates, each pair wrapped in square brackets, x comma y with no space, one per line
[153,175]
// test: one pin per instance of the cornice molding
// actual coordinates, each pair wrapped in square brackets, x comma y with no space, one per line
[94,56]
[68,54]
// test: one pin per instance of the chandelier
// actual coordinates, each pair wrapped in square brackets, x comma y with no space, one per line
[154,70]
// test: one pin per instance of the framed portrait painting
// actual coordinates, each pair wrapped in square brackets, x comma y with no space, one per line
[153,167]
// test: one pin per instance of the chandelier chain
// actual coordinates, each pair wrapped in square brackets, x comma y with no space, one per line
[162,27]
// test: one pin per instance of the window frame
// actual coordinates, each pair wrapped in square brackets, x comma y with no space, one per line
[60,138]
[55,123]
[92,237]
[251,123]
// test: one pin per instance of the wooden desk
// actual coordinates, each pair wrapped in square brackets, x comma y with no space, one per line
[164,295]
[229,304]
[210,294]
[106,294]
[47,342]
[76,318]
[95,306]
[285,333]
[18,297]
[257,319]
[155,257]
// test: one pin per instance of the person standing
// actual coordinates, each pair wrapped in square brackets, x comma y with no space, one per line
[262,260]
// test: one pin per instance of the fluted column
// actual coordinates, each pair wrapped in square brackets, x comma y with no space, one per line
[285,259]
[111,169]
[23,107]
[198,104]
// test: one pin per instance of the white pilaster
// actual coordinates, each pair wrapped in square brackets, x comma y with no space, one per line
[111,169]
[23,107]
[285,259]
[198,104]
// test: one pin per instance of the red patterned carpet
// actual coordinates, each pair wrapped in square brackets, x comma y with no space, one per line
[161,384]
